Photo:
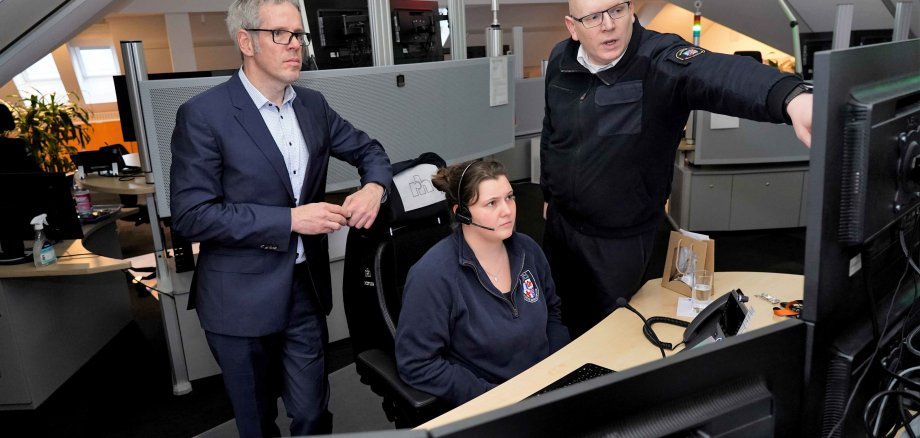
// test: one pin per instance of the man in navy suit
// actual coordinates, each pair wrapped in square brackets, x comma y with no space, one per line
[249,163]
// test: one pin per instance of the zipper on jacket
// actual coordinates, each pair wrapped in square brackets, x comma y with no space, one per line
[517,280]
[514,310]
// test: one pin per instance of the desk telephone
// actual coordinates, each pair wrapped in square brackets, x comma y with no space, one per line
[722,318]
[726,316]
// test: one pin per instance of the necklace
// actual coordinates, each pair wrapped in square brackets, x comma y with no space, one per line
[501,259]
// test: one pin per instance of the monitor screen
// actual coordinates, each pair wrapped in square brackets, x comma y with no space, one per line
[33,194]
[340,33]
[814,42]
[746,385]
[416,31]
[863,233]
[123,103]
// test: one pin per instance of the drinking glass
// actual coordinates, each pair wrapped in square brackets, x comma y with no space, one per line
[701,292]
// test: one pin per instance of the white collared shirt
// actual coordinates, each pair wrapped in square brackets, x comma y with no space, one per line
[282,124]
[593,68]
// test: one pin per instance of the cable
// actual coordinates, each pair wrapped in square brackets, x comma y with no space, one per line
[885,394]
[907,253]
[81,254]
[878,418]
[868,363]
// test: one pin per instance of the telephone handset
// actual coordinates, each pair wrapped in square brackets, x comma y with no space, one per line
[721,318]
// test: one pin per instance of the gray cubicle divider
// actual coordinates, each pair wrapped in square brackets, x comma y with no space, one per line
[529,106]
[442,107]
[750,143]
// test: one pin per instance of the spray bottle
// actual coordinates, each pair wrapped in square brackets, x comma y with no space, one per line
[42,249]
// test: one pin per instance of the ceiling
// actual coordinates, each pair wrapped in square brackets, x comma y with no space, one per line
[30,29]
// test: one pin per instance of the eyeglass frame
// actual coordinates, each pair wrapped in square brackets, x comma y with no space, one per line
[605,11]
[303,42]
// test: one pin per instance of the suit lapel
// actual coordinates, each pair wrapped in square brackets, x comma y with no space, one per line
[312,140]
[248,116]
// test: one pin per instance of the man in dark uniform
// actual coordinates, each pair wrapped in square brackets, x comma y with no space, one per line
[617,99]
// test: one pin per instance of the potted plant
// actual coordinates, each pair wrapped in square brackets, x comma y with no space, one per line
[53,129]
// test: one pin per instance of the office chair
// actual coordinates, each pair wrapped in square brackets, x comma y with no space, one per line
[377,261]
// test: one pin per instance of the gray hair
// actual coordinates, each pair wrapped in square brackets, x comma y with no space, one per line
[244,14]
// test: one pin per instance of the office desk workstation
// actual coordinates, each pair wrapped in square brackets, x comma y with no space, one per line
[618,343]
[53,319]
[135,185]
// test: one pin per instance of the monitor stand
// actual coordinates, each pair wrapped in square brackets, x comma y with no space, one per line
[12,252]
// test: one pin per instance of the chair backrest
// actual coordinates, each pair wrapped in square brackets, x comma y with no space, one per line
[377,260]
[393,259]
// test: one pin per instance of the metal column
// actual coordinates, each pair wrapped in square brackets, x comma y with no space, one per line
[381,32]
[135,73]
[456,16]
[843,27]
[901,21]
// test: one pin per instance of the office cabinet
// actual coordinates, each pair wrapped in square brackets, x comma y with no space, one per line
[712,194]
[735,198]
[765,200]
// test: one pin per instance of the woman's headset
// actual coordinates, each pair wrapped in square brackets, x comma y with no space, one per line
[463,215]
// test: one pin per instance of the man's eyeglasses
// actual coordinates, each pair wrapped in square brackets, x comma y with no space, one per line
[284,37]
[595,19]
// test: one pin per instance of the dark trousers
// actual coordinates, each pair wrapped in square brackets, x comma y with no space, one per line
[289,364]
[592,272]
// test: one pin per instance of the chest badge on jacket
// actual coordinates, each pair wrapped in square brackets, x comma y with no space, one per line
[531,292]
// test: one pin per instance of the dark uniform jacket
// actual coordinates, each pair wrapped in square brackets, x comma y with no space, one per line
[609,139]
[458,336]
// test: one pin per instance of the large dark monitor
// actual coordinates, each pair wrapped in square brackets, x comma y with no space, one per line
[124,105]
[27,195]
[814,42]
[416,31]
[747,385]
[341,33]
[15,156]
[861,285]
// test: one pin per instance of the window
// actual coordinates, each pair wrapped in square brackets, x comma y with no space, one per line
[41,78]
[95,68]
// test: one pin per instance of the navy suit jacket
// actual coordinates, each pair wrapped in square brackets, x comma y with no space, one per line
[230,190]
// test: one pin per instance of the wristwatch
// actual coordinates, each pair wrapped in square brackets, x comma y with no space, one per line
[799,89]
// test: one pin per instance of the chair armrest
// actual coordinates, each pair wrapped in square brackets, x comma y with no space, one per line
[384,366]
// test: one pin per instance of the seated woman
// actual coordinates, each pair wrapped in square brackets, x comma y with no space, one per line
[480,306]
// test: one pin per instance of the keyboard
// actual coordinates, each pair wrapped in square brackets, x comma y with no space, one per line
[585,372]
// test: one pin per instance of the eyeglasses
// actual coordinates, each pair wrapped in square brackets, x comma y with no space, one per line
[284,37]
[593,20]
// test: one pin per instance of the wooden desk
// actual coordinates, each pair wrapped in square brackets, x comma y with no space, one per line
[77,260]
[53,319]
[617,342]
[116,185]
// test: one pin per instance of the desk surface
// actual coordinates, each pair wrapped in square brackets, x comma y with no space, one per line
[110,184]
[617,341]
[80,262]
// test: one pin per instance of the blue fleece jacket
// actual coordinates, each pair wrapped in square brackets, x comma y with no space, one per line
[458,336]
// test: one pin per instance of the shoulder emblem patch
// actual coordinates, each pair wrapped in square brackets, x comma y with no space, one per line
[685,53]
[531,291]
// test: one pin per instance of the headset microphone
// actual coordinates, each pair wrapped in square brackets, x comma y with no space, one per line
[463,214]
[621,302]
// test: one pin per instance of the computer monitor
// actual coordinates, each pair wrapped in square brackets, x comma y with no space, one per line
[125,117]
[27,195]
[340,32]
[814,42]
[416,31]
[16,157]
[746,385]
[863,227]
